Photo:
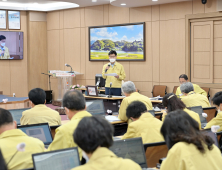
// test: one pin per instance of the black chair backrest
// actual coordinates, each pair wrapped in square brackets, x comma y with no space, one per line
[199,110]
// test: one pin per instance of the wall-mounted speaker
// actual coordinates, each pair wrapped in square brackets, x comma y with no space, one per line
[204,1]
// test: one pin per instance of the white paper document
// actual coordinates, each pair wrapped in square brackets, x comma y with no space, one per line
[111,74]
[112,118]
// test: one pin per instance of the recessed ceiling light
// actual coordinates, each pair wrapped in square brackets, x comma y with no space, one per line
[94,0]
[4,0]
[35,3]
[122,4]
[154,0]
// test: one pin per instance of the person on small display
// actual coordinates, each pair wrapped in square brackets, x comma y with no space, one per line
[4,52]
[113,83]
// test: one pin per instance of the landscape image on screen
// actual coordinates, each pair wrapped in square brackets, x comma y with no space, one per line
[126,40]
[11,48]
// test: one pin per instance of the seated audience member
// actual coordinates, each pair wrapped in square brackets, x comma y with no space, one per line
[39,113]
[10,137]
[144,124]
[217,101]
[2,162]
[75,105]
[171,102]
[188,148]
[197,89]
[129,90]
[191,98]
[94,136]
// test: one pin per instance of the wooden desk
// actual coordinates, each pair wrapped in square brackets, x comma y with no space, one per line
[106,98]
[156,101]
[103,90]
[15,104]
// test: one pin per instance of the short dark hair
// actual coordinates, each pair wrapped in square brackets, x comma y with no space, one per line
[37,96]
[2,37]
[135,109]
[93,132]
[183,76]
[217,99]
[5,117]
[113,52]
[74,100]
[172,102]
[179,126]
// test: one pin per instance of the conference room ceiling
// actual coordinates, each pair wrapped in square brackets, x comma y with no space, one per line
[50,5]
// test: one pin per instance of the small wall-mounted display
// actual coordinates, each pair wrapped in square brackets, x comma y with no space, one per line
[14,20]
[2,19]
[11,45]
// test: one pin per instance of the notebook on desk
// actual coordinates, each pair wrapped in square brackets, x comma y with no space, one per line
[64,159]
[131,149]
[41,131]
[17,114]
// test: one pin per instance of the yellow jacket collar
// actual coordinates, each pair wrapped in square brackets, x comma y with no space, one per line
[80,115]
[146,115]
[13,132]
[192,92]
[101,152]
[134,93]
[39,105]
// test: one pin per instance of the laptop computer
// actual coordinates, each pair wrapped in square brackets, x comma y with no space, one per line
[152,112]
[64,159]
[209,133]
[131,149]
[199,110]
[41,131]
[17,114]
[95,107]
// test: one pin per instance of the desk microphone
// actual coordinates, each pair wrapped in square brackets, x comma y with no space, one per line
[109,96]
[108,66]
[111,84]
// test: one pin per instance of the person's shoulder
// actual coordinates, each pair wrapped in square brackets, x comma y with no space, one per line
[129,164]
[117,63]
[27,111]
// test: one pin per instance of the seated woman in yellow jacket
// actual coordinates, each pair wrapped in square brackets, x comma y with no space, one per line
[94,136]
[192,98]
[131,94]
[144,124]
[188,148]
[217,101]
[197,89]
[171,102]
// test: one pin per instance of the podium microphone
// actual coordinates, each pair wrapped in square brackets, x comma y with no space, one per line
[108,66]
[109,90]
[67,65]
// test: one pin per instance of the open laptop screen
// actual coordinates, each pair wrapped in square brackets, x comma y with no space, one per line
[199,110]
[40,131]
[95,107]
[64,159]
[17,114]
[131,149]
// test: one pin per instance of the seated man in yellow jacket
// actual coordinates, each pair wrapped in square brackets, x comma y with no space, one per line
[94,136]
[129,90]
[144,124]
[39,113]
[217,101]
[191,98]
[75,109]
[197,89]
[10,137]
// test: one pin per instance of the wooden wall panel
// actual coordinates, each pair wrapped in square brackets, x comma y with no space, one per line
[175,10]
[71,18]
[83,54]
[94,15]
[201,58]
[211,6]
[145,88]
[155,13]
[140,14]
[61,50]
[37,41]
[217,58]
[202,45]
[217,31]
[106,14]
[198,7]
[53,20]
[5,76]
[202,31]
[172,47]
[156,50]
[61,19]
[53,50]
[82,15]
[118,15]
[218,44]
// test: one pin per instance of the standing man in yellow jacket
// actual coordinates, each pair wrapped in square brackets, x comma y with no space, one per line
[4,52]
[217,101]
[191,98]
[75,105]
[39,113]
[129,90]
[183,79]
[113,83]
[144,124]
[10,137]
